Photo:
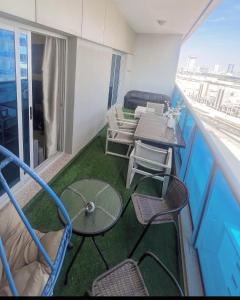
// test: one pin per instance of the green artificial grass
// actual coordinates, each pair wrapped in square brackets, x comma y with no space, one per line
[117,243]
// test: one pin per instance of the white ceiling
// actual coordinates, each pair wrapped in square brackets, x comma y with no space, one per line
[181,15]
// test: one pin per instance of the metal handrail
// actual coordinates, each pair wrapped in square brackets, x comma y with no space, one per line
[221,161]
[54,265]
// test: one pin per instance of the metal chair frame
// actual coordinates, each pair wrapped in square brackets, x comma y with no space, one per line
[112,136]
[136,162]
[57,263]
[174,212]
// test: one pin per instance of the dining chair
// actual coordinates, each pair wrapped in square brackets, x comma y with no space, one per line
[146,160]
[158,209]
[125,279]
[158,107]
[118,135]
[125,123]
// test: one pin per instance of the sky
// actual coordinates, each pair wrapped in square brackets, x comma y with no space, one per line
[217,40]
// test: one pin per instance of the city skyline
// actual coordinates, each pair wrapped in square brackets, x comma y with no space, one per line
[217,41]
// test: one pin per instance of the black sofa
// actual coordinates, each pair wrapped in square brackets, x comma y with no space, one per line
[138,98]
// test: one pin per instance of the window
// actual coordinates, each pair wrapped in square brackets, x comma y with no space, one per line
[114,81]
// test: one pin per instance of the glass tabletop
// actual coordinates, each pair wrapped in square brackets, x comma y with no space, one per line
[94,206]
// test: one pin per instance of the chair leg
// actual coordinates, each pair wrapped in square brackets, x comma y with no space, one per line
[126,206]
[129,150]
[178,238]
[139,240]
[178,245]
[130,174]
[70,246]
[106,146]
[165,185]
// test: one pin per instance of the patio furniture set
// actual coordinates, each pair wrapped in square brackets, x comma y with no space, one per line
[94,206]
[91,207]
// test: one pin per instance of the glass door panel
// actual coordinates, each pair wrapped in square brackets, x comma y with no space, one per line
[110,95]
[23,53]
[114,81]
[8,102]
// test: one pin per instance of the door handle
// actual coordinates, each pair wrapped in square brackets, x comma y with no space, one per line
[31,113]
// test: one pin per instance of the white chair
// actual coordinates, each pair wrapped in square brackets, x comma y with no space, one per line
[125,123]
[115,134]
[158,107]
[152,158]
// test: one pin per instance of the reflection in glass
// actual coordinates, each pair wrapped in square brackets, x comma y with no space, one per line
[114,81]
[8,102]
[25,98]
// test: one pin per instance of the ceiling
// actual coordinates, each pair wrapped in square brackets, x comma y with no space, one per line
[181,16]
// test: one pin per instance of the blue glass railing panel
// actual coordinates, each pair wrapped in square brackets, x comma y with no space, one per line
[197,175]
[182,118]
[178,161]
[189,124]
[176,98]
[218,241]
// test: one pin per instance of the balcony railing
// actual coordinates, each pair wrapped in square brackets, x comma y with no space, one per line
[214,204]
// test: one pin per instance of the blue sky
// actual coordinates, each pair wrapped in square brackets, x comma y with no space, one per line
[217,40]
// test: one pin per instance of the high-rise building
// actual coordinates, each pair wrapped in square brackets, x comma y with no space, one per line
[216,69]
[191,64]
[204,69]
[230,69]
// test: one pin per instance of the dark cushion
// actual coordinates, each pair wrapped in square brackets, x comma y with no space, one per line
[139,98]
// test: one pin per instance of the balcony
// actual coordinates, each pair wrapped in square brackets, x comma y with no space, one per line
[209,226]
[109,48]
[119,241]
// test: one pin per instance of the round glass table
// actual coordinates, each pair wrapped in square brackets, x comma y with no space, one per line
[94,207]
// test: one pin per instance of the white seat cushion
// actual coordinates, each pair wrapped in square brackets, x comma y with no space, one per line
[23,254]
[29,280]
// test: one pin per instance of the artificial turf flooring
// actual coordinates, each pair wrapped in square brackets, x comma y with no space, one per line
[116,244]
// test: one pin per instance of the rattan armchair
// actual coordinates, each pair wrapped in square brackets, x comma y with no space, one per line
[157,210]
[126,279]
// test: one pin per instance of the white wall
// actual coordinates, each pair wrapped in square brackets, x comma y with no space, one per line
[93,67]
[125,77]
[155,63]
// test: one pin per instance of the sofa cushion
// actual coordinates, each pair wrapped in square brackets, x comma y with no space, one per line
[21,251]
[9,221]
[50,242]
[134,98]
[29,280]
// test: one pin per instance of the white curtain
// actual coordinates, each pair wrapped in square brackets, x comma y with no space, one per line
[53,93]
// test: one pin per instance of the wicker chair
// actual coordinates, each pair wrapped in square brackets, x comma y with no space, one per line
[157,210]
[126,279]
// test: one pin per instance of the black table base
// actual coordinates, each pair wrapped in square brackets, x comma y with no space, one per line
[77,252]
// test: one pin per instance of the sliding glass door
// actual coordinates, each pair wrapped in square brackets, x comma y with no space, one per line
[15,88]
[8,101]
[25,109]
[25,87]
